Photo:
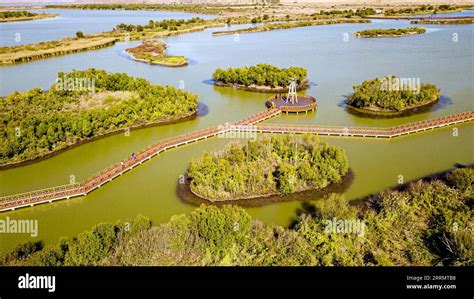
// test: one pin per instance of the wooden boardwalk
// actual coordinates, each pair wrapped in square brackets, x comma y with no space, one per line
[15,201]
[32,198]
[390,132]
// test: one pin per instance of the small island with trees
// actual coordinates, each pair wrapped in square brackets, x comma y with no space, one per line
[154,52]
[391,95]
[81,106]
[392,32]
[20,16]
[267,166]
[261,78]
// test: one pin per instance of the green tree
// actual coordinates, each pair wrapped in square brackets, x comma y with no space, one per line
[91,246]
[221,228]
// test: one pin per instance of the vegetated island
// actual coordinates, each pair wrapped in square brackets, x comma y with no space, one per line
[81,106]
[465,21]
[267,166]
[24,53]
[290,25]
[154,52]
[261,77]
[391,96]
[427,222]
[20,16]
[393,32]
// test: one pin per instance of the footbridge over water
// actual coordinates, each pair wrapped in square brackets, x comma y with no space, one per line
[32,198]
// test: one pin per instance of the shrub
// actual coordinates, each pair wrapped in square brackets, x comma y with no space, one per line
[91,246]
[261,74]
[221,228]
[379,94]
[461,178]
[266,166]
[24,250]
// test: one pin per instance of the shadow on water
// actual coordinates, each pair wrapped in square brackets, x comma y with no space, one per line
[184,192]
[208,82]
[192,61]
[441,103]
[202,109]
[343,103]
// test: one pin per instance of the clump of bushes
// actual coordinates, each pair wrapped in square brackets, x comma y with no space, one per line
[260,75]
[267,165]
[163,25]
[392,94]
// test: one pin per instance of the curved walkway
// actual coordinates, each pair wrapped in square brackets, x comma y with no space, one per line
[15,201]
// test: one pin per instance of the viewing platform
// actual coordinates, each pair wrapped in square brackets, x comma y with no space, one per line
[303,104]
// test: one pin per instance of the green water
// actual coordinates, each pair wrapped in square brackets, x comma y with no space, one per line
[334,66]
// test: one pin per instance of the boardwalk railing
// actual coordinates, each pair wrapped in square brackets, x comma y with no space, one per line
[390,132]
[12,202]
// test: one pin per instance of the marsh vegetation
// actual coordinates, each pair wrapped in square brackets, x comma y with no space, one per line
[80,106]
[267,166]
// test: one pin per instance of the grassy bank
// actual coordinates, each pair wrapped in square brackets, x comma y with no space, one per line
[25,53]
[290,25]
[189,8]
[445,22]
[426,223]
[408,11]
[20,16]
